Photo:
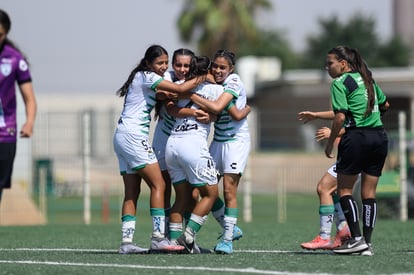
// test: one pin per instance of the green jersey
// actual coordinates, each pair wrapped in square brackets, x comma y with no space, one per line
[349,96]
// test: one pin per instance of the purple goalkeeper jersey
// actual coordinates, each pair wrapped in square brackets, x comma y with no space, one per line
[13,69]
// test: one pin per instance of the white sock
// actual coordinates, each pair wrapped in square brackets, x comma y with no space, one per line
[176,229]
[158,227]
[339,217]
[128,230]
[229,223]
[325,226]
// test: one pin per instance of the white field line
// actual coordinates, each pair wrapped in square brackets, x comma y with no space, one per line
[170,268]
[190,268]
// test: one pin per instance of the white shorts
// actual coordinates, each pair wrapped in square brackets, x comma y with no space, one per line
[188,159]
[332,170]
[230,157]
[134,152]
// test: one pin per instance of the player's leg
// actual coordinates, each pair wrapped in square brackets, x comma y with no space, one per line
[209,194]
[325,187]
[132,188]
[180,205]
[230,184]
[151,173]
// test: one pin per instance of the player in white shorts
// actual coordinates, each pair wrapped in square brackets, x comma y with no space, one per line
[330,210]
[181,61]
[190,165]
[135,154]
[231,144]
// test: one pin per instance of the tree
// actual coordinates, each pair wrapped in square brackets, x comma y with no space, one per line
[271,43]
[219,24]
[358,32]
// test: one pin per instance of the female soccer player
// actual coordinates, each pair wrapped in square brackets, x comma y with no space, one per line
[136,157]
[357,101]
[329,208]
[231,144]
[13,69]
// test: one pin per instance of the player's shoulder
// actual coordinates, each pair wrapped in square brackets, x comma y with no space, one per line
[233,77]
[9,51]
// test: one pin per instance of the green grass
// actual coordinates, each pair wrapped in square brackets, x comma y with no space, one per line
[268,247]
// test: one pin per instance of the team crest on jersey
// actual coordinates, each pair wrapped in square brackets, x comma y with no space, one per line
[23,65]
[5,69]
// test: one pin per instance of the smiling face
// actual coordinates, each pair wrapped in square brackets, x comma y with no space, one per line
[334,66]
[181,66]
[159,65]
[221,69]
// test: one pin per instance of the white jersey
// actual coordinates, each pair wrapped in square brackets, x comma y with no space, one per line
[138,104]
[189,125]
[225,128]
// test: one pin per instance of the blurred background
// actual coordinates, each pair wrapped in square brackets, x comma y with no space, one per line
[81,52]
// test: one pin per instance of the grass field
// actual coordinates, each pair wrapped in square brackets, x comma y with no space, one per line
[268,247]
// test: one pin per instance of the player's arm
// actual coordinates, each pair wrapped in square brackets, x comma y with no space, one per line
[29,100]
[212,106]
[307,116]
[239,114]
[184,87]
[200,115]
[325,132]
[337,125]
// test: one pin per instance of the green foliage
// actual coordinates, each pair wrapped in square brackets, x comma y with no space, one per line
[358,32]
[217,24]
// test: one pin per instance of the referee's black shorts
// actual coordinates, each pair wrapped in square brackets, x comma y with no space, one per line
[362,150]
[7,154]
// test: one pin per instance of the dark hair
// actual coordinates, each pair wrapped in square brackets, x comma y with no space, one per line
[5,20]
[151,54]
[6,23]
[182,51]
[228,55]
[199,66]
[357,63]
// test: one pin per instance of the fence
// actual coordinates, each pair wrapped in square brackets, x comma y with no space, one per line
[59,142]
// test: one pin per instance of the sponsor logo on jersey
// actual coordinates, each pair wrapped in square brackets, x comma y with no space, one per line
[23,65]
[5,69]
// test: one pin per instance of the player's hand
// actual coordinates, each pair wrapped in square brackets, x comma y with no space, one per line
[26,131]
[328,150]
[322,133]
[210,78]
[202,116]
[306,116]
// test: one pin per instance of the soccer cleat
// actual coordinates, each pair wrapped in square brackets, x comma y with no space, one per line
[164,245]
[224,247]
[188,247]
[368,251]
[317,243]
[200,250]
[351,246]
[237,233]
[341,236]
[129,248]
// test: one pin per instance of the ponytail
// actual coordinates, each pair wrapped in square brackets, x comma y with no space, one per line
[357,63]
